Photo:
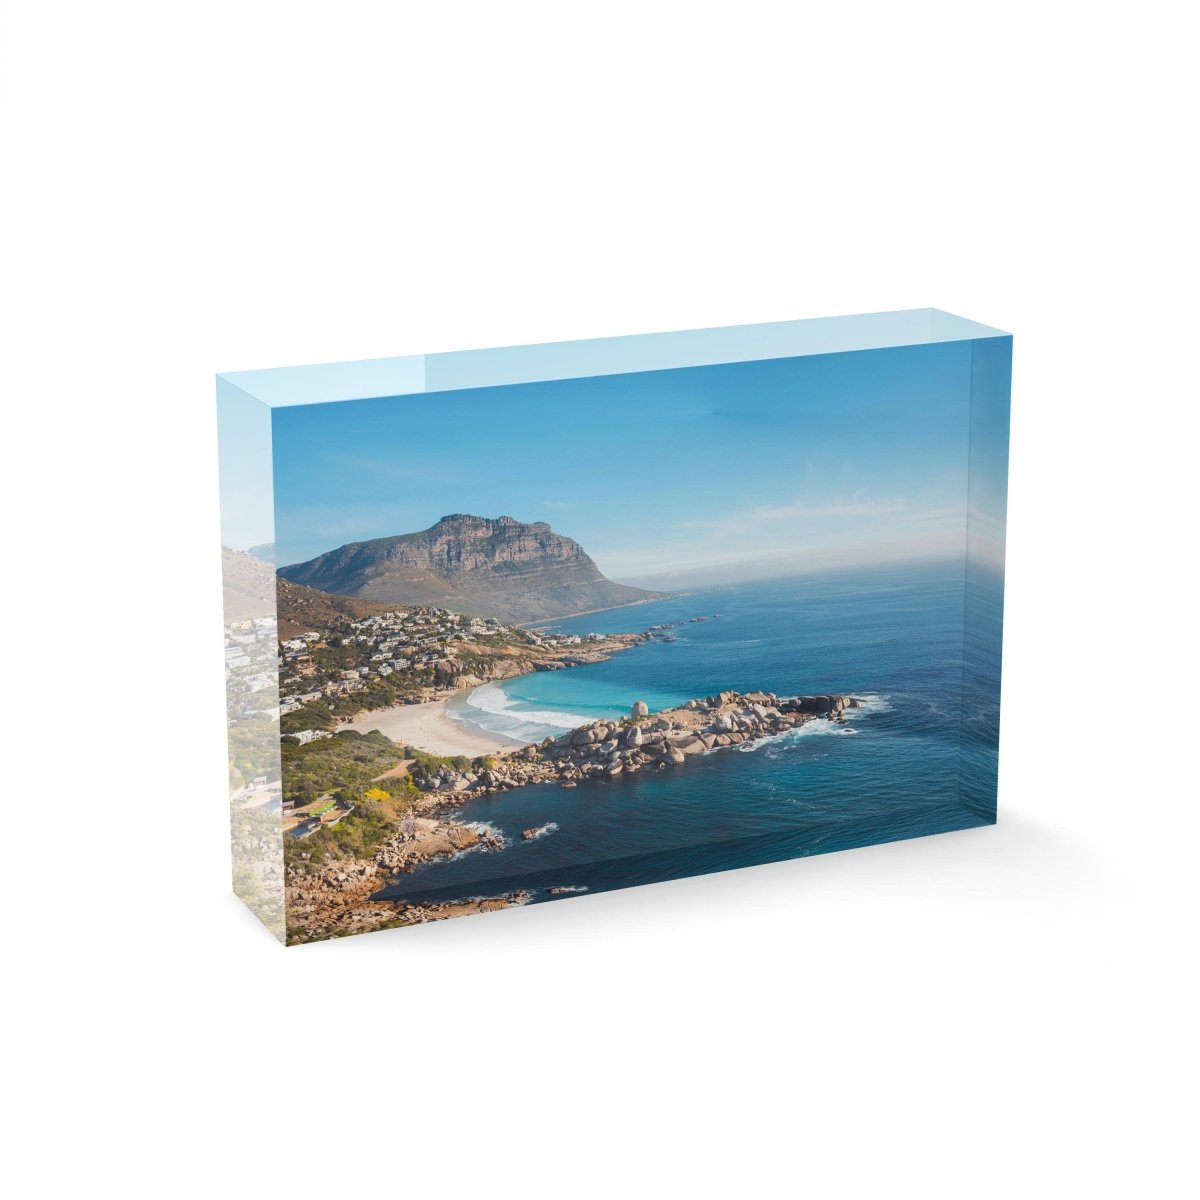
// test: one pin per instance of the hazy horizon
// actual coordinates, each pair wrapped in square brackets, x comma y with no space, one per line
[743,569]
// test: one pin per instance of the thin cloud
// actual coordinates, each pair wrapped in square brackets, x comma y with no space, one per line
[801,511]
[737,523]
[846,528]
[401,472]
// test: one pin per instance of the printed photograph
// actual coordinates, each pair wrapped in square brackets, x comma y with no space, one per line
[549,639]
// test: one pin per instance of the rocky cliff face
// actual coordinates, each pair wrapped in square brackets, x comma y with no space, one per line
[487,567]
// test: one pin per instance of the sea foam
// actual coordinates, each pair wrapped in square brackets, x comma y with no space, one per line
[492,698]
[872,703]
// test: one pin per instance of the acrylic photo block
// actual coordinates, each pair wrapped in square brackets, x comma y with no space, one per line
[510,626]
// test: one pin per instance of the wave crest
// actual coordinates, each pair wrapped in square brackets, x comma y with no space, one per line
[491,698]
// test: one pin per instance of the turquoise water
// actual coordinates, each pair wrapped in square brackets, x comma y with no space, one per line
[918,759]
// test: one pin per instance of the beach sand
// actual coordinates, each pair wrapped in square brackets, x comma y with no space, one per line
[427,727]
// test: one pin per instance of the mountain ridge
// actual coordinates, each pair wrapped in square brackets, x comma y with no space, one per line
[486,566]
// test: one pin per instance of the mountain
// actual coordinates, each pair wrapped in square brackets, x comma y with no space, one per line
[490,568]
[253,590]
[303,608]
[249,589]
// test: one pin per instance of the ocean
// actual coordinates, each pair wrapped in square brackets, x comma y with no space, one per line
[919,758]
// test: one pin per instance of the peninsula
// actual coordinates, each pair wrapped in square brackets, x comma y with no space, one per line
[338,893]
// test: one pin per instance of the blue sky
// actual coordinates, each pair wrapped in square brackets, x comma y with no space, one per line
[827,460]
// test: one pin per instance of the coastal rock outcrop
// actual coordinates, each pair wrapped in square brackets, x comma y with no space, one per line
[605,749]
[325,899]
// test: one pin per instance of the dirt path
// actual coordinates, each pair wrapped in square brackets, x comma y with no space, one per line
[397,772]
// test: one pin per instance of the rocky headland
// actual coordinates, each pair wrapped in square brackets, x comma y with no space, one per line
[331,899]
[606,749]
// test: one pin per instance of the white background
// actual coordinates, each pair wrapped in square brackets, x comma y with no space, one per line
[190,188]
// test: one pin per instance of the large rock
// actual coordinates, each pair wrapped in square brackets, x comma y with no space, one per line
[633,736]
[640,708]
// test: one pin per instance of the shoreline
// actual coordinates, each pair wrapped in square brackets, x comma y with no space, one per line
[340,897]
[430,728]
[427,725]
[348,895]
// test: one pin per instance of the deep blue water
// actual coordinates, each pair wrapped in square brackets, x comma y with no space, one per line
[919,759]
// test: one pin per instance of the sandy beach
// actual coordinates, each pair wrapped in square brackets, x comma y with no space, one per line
[427,727]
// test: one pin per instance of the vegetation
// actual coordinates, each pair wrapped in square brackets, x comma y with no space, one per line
[431,764]
[348,761]
[302,608]
[251,748]
[315,715]
[345,767]
[358,835]
[381,692]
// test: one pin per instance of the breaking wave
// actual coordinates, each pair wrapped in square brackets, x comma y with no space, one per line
[872,703]
[490,708]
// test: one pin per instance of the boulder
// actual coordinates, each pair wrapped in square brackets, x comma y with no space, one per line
[633,736]
[640,709]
